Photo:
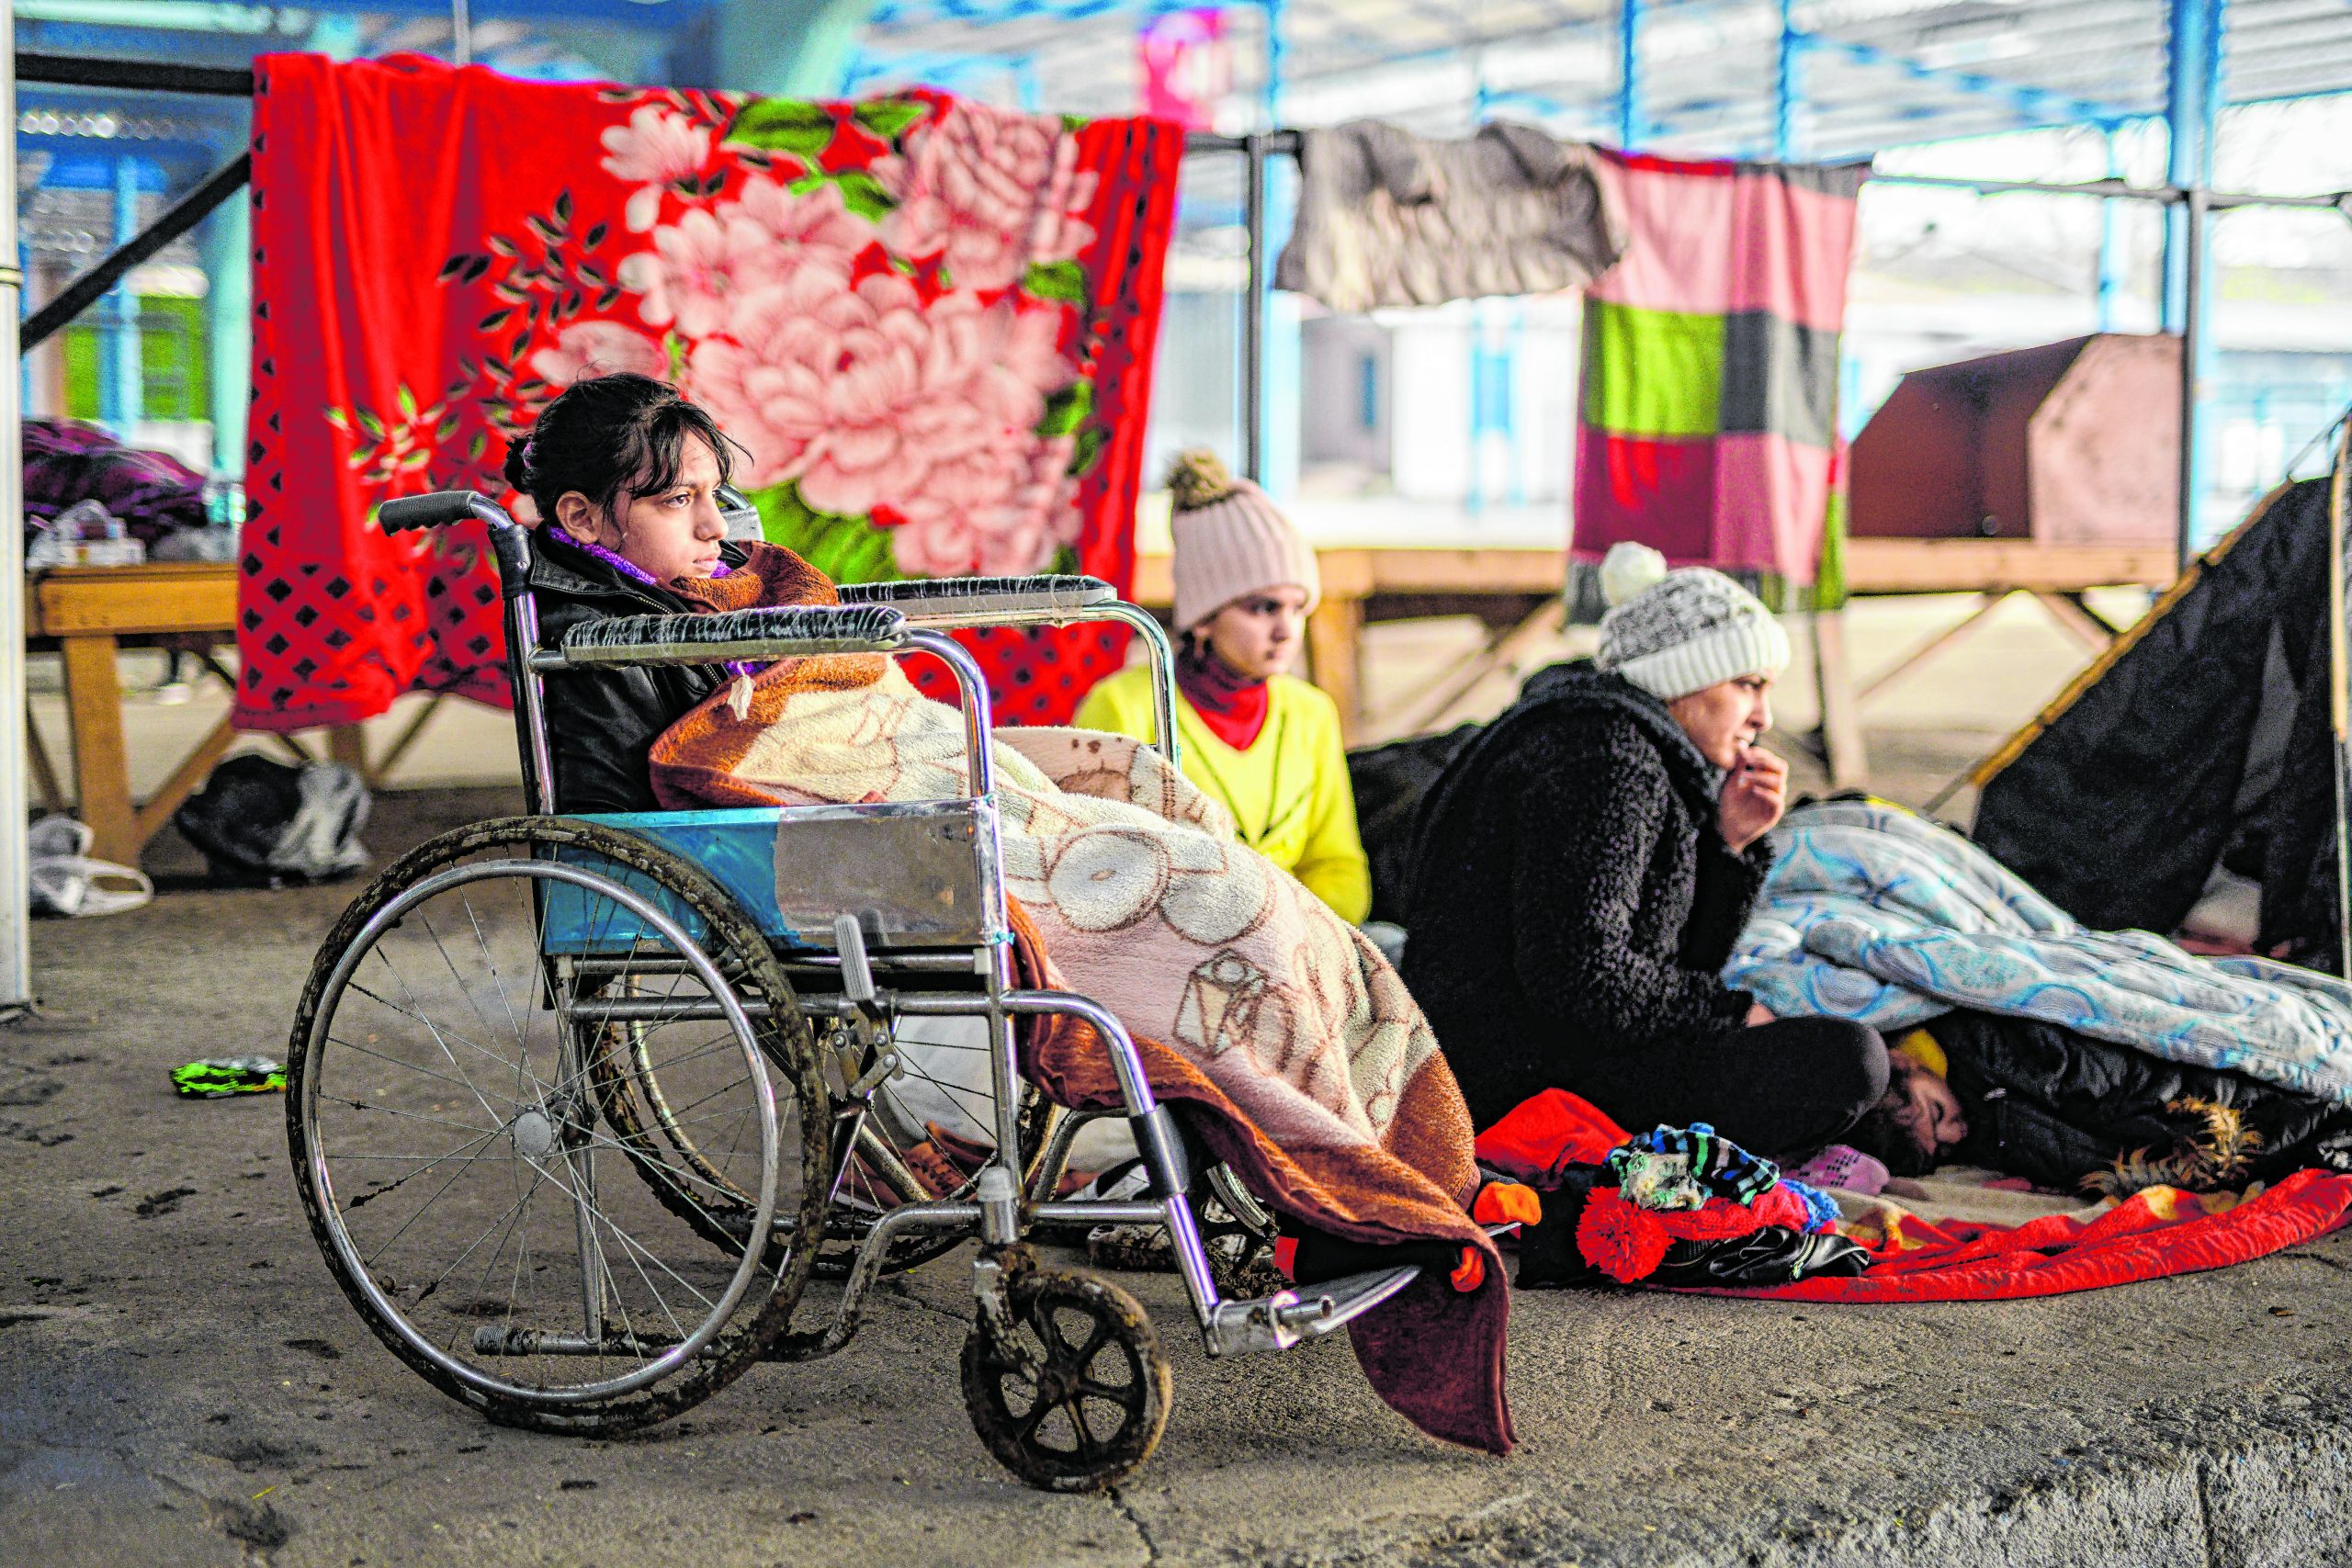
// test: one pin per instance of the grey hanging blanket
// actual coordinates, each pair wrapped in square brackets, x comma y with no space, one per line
[1387,218]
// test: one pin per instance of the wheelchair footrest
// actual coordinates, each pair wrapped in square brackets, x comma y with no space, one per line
[1309,1311]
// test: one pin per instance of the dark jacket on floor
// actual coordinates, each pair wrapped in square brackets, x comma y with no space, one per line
[602,722]
[1573,897]
[2053,1106]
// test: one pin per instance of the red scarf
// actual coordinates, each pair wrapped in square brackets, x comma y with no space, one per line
[1233,706]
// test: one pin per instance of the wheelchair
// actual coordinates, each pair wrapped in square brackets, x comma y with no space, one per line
[579,1106]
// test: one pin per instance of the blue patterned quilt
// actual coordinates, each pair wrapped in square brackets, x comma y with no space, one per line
[1876,915]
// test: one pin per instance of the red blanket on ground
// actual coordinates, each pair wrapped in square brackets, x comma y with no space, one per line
[930,322]
[2161,1231]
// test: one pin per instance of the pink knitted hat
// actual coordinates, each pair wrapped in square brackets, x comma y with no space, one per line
[1230,542]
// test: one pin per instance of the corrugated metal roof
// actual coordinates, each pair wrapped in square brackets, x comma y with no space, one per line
[1869,73]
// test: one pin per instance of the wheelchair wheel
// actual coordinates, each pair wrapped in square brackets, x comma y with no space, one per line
[1081,1400]
[443,1115]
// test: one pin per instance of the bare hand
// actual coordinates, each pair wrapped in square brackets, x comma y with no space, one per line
[1753,798]
[1759,1014]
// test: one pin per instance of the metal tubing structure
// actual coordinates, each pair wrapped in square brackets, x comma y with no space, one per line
[15,889]
[1631,132]
[2192,374]
[2193,35]
[1253,310]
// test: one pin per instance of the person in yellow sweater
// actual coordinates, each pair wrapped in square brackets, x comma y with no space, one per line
[1264,743]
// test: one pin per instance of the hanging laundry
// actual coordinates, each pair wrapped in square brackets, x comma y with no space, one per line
[1707,424]
[1388,217]
[929,323]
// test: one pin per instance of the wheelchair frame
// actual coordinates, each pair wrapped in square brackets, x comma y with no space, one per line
[865,968]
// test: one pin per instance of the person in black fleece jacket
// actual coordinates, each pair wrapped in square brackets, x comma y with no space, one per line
[1585,866]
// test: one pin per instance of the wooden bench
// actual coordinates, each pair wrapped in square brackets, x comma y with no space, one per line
[88,614]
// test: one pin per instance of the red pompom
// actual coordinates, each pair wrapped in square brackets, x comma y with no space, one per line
[1719,1220]
[1626,1243]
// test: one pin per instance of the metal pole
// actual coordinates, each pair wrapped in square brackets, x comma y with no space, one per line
[2192,387]
[16,893]
[1629,74]
[120,367]
[1785,92]
[1253,311]
[2339,706]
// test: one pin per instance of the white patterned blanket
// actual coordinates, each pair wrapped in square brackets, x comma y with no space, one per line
[1876,915]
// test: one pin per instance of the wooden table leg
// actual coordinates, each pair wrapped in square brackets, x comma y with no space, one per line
[348,744]
[2095,634]
[52,793]
[194,769]
[1334,638]
[1841,725]
[101,759]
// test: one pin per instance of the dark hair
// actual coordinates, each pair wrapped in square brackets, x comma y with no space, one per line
[612,438]
[1889,1131]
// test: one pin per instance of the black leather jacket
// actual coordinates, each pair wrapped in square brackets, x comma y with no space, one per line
[601,723]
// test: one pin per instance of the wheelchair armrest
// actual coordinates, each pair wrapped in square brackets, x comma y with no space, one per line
[787,632]
[953,599]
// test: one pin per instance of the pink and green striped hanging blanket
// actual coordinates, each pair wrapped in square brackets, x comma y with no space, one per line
[1707,426]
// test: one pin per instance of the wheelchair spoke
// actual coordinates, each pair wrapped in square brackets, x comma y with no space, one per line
[441,1037]
[508,1219]
[375,1108]
[395,1061]
[461,1154]
[595,1213]
[498,981]
[386,1245]
[461,1068]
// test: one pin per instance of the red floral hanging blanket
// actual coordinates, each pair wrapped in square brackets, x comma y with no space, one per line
[930,322]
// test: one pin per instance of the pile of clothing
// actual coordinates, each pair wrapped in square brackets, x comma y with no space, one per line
[1674,1206]
[154,495]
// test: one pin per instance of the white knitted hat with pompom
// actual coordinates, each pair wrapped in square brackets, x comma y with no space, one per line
[1672,633]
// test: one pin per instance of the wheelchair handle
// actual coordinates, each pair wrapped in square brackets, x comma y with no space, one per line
[440,509]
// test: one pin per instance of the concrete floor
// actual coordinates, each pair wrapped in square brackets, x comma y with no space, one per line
[180,1381]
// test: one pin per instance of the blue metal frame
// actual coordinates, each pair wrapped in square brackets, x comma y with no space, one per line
[1631,132]
[2192,110]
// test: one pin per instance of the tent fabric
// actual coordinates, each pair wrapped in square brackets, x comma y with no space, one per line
[931,323]
[2200,740]
[1707,426]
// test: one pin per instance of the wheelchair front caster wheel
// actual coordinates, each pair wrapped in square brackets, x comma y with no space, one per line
[1079,1402]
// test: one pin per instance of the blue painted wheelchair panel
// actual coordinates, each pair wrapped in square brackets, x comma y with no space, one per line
[915,875]
[736,848]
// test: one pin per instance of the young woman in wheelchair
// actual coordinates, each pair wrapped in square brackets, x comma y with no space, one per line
[623,475]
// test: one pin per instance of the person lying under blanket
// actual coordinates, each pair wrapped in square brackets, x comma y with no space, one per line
[1275,1028]
[1585,863]
[2030,1045]
[2071,1113]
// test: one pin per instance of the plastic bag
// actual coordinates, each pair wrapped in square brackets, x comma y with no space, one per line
[65,881]
[262,823]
